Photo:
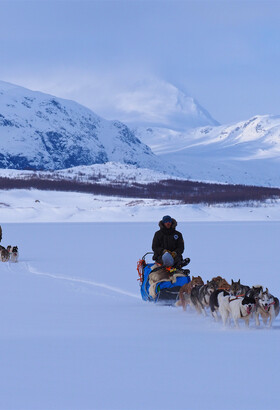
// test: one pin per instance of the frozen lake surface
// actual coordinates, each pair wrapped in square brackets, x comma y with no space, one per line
[75,333]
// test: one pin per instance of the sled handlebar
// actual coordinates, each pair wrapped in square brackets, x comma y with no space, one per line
[147,253]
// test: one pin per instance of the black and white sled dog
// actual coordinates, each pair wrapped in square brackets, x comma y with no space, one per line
[13,253]
[236,308]
[200,296]
[214,301]
[255,292]
[267,307]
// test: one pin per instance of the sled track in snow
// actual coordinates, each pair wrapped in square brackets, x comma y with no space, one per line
[35,271]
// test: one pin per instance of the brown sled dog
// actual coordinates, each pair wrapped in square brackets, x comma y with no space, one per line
[5,255]
[185,291]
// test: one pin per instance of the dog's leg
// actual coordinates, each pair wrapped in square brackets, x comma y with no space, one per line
[215,315]
[184,302]
[271,318]
[224,315]
[181,301]
[247,321]
[203,312]
[198,309]
[195,306]
[236,323]
[235,319]
[264,318]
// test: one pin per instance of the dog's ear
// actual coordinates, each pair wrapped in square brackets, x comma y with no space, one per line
[232,281]
[238,282]
[207,282]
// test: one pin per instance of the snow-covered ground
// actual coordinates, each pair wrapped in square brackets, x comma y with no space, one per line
[51,206]
[76,335]
[111,172]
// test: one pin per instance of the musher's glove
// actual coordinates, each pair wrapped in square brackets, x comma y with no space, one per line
[173,254]
[185,262]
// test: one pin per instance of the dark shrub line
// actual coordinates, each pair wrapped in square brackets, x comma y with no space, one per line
[188,192]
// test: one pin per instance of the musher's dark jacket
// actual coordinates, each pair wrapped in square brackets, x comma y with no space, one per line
[168,239]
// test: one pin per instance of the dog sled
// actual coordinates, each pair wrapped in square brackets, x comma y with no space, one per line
[160,284]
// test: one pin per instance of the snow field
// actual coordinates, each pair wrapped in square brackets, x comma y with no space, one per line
[32,205]
[75,333]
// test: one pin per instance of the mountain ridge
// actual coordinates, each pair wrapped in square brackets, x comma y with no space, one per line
[42,132]
[39,131]
[245,152]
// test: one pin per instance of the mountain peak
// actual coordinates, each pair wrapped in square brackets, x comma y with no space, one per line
[42,132]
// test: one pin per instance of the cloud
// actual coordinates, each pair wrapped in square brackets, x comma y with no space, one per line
[134,97]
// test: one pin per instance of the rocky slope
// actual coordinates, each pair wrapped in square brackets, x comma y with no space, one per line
[42,132]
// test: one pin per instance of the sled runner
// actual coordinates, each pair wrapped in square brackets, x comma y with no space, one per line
[160,284]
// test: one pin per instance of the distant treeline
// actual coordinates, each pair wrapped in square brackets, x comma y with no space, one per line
[188,192]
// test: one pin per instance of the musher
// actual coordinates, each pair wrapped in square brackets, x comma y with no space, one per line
[168,244]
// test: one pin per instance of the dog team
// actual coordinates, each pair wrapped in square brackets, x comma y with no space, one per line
[229,301]
[9,254]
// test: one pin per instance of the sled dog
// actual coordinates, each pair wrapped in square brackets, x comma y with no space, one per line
[255,291]
[216,280]
[235,307]
[214,302]
[200,296]
[237,289]
[185,291]
[5,256]
[267,307]
[220,283]
[14,254]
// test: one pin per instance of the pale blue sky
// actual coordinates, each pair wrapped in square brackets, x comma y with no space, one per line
[224,53]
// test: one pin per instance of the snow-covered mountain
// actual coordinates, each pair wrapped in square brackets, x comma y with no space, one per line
[157,103]
[247,152]
[42,132]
